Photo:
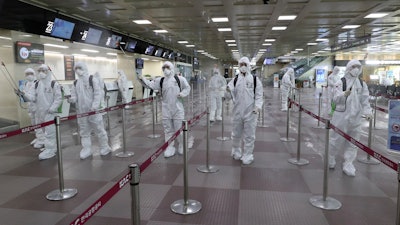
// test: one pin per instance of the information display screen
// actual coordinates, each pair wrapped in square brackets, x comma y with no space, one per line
[93,36]
[62,29]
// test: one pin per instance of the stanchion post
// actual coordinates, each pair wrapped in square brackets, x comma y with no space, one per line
[319,110]
[207,168]
[375,105]
[299,161]
[135,203]
[367,158]
[222,138]
[124,153]
[185,206]
[156,99]
[191,94]
[287,139]
[262,114]
[154,135]
[61,193]
[108,117]
[325,202]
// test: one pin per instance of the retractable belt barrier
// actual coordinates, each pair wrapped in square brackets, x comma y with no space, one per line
[47,123]
[97,205]
[380,157]
[381,109]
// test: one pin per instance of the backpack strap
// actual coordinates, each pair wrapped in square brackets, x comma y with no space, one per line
[177,81]
[161,84]
[235,80]
[36,84]
[345,86]
[254,82]
[90,81]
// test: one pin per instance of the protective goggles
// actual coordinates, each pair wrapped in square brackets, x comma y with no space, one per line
[165,67]
[242,64]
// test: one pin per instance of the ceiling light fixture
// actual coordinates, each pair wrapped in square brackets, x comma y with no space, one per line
[232,45]
[287,17]
[312,43]
[141,21]
[111,53]
[279,28]
[266,44]
[190,46]
[220,19]
[270,40]
[55,46]
[224,29]
[183,42]
[299,49]
[89,50]
[160,31]
[230,41]
[376,15]
[322,39]
[350,26]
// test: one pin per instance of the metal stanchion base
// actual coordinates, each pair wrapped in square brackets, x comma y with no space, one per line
[56,195]
[207,169]
[223,138]
[329,203]
[191,207]
[366,160]
[154,136]
[287,139]
[124,154]
[300,162]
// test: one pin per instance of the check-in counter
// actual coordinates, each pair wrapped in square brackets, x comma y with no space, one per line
[111,91]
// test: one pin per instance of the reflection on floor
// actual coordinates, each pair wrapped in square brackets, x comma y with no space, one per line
[269,191]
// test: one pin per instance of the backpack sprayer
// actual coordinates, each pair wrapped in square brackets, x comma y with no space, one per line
[12,83]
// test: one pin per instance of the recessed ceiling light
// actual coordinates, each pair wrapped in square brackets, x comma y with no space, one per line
[287,17]
[160,31]
[141,21]
[183,42]
[230,41]
[376,15]
[262,50]
[350,26]
[231,45]
[224,29]
[220,19]
[266,44]
[322,39]
[190,46]
[111,53]
[279,28]
[312,43]
[200,50]
[55,46]
[299,49]
[89,50]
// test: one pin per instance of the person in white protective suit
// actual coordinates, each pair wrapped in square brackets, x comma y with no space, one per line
[286,84]
[30,77]
[172,108]
[47,98]
[217,87]
[247,98]
[122,82]
[87,98]
[352,102]
[333,80]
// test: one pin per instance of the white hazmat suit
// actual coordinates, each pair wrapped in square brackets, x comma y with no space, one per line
[173,111]
[247,103]
[351,104]
[87,98]
[217,87]
[286,84]
[122,82]
[47,100]
[333,80]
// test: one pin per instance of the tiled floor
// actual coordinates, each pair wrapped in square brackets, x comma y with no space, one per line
[270,191]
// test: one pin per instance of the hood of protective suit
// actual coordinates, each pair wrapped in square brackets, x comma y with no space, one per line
[43,72]
[290,73]
[335,71]
[170,71]
[121,73]
[30,74]
[350,71]
[247,68]
[83,66]
[30,70]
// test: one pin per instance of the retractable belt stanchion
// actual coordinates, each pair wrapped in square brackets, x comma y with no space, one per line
[287,138]
[298,161]
[185,206]
[191,94]
[135,203]
[367,158]
[207,168]
[222,138]
[124,153]
[398,194]
[319,110]
[156,99]
[324,202]
[262,115]
[108,117]
[154,135]
[61,193]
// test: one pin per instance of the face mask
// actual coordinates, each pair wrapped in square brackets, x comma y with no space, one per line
[243,69]
[167,72]
[42,75]
[30,78]
[354,72]
[79,72]
[215,73]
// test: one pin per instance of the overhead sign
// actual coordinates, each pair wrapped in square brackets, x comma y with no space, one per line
[352,43]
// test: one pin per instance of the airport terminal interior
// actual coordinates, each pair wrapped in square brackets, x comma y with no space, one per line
[288,182]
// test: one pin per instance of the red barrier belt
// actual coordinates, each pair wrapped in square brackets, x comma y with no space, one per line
[37,126]
[155,155]
[381,109]
[366,149]
[97,205]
